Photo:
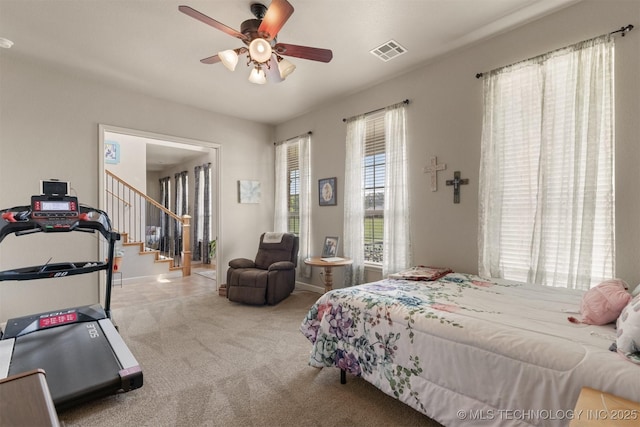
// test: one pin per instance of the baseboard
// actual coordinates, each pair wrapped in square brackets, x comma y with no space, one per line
[307,287]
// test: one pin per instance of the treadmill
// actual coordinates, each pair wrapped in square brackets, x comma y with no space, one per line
[79,348]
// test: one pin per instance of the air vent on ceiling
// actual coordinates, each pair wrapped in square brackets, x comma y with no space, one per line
[388,50]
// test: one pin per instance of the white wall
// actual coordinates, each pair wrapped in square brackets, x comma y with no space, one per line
[445,120]
[132,164]
[49,128]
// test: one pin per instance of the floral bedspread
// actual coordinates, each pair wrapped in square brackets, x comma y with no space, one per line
[413,339]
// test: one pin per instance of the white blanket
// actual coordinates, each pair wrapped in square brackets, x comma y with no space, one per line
[468,351]
[272,237]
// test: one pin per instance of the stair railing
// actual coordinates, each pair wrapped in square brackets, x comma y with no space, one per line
[144,220]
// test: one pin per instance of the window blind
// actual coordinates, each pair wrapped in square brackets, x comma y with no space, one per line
[293,188]
[374,187]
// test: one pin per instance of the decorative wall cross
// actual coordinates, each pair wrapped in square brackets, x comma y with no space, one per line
[433,170]
[457,182]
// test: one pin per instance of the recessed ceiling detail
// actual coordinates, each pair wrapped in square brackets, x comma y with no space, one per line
[388,50]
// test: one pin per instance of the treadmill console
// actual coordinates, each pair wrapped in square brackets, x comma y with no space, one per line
[55,213]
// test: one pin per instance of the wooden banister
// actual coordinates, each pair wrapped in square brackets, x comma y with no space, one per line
[144,196]
[186,245]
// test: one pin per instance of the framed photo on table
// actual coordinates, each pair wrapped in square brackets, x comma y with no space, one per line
[330,247]
[327,192]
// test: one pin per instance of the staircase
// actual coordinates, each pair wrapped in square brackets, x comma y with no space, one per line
[154,240]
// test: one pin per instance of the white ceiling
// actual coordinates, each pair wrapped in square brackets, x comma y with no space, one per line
[150,47]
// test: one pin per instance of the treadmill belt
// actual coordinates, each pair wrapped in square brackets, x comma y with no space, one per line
[77,359]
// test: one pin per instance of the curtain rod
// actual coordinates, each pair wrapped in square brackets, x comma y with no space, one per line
[406,102]
[292,138]
[623,30]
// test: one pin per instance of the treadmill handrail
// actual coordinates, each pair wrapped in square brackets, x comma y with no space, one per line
[18,220]
[99,222]
[48,271]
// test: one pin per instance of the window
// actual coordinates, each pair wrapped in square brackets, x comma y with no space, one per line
[202,223]
[374,188]
[293,189]
[182,186]
[376,194]
[165,196]
[181,205]
[546,175]
[199,204]
[292,211]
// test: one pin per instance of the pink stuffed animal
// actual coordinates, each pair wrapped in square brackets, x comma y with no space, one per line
[603,303]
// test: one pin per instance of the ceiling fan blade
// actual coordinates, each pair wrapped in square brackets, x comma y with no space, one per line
[211,60]
[304,52]
[278,13]
[212,22]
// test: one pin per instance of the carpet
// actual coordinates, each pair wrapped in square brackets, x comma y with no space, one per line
[211,362]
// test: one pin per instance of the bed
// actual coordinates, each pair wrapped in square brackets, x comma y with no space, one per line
[465,350]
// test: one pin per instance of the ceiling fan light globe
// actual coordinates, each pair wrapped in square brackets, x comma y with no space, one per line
[229,59]
[257,76]
[285,67]
[260,50]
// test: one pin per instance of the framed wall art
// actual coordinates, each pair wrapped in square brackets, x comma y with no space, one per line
[111,152]
[327,195]
[248,191]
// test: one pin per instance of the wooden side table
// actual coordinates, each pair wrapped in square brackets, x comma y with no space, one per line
[597,408]
[317,261]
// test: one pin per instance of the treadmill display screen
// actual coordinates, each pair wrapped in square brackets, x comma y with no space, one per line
[55,206]
[58,319]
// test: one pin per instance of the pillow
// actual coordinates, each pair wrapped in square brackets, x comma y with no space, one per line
[603,303]
[421,272]
[628,325]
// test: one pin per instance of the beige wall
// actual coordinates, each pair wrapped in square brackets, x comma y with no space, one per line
[445,120]
[49,129]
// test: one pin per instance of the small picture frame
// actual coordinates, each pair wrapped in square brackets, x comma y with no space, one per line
[330,247]
[327,195]
[111,152]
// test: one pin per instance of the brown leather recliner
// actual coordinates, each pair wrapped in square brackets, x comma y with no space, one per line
[271,277]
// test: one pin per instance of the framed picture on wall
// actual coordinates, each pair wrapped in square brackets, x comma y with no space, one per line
[111,152]
[327,195]
[248,191]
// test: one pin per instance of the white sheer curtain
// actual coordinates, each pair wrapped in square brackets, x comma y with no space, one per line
[546,202]
[281,210]
[396,243]
[353,245]
[304,163]
[281,216]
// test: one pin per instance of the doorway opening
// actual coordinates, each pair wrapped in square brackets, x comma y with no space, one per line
[168,170]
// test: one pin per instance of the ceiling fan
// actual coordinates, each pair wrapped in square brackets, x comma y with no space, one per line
[262,48]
